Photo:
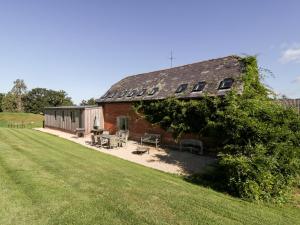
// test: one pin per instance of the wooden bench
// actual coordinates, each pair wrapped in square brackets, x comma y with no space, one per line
[192,145]
[151,139]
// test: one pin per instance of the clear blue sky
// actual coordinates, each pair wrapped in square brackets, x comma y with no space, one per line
[85,46]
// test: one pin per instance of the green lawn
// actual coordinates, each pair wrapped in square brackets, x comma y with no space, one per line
[48,180]
[29,119]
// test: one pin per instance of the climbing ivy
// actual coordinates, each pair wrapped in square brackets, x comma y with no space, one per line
[258,140]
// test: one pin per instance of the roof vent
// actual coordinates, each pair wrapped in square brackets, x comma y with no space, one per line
[226,83]
[181,88]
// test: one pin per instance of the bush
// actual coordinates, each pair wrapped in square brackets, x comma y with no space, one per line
[259,139]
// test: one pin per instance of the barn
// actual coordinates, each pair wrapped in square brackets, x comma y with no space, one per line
[213,77]
[69,118]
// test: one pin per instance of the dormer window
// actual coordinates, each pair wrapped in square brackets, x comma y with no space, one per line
[181,88]
[153,91]
[132,93]
[199,86]
[141,92]
[226,84]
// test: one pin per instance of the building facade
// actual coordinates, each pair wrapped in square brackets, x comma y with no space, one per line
[69,118]
[213,78]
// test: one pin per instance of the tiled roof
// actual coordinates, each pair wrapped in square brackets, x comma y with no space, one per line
[167,81]
[73,107]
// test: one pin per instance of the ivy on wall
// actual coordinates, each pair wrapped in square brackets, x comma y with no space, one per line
[258,140]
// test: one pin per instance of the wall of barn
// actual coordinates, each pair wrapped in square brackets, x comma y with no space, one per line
[136,124]
[59,123]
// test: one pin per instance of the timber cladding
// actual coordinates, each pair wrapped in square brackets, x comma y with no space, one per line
[70,118]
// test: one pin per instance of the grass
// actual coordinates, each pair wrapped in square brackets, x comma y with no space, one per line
[48,180]
[29,119]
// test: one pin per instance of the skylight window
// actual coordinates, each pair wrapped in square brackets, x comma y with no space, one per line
[153,91]
[226,83]
[141,92]
[112,94]
[132,93]
[181,88]
[199,86]
[122,94]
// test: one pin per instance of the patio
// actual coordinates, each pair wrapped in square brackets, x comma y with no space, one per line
[166,160]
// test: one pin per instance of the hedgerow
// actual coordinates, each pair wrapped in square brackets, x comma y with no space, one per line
[258,140]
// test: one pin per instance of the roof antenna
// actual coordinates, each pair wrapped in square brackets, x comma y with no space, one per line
[171,58]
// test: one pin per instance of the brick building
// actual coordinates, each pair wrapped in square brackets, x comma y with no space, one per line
[213,77]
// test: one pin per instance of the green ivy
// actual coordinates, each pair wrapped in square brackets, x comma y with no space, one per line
[258,140]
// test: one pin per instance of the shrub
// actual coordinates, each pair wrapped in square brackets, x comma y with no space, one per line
[259,139]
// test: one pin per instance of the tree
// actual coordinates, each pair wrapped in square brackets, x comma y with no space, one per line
[1,98]
[13,100]
[39,98]
[9,103]
[19,91]
[90,101]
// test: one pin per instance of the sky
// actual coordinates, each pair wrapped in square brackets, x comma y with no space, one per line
[85,46]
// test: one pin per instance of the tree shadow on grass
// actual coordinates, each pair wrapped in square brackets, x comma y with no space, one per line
[188,163]
[213,177]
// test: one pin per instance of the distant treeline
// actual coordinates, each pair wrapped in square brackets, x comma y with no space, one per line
[20,99]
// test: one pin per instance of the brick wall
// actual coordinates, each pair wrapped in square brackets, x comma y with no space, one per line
[137,125]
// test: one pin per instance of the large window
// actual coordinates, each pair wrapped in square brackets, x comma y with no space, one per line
[122,123]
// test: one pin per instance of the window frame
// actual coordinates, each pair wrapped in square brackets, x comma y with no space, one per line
[221,85]
[195,89]
[181,88]
[153,91]
[126,122]
[141,92]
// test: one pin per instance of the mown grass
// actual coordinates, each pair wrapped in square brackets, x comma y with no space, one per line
[48,180]
[28,119]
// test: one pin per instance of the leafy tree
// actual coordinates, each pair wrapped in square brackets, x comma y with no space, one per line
[9,103]
[90,101]
[1,98]
[13,101]
[258,140]
[19,91]
[39,98]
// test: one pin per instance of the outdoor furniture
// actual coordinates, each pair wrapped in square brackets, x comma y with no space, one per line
[97,131]
[151,139]
[112,140]
[80,132]
[123,137]
[192,145]
[93,139]
[141,150]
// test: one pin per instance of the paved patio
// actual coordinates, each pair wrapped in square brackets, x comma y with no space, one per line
[166,160]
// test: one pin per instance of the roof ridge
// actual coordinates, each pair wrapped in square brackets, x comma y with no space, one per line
[177,67]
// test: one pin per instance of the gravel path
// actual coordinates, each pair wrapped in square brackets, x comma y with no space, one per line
[170,161]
